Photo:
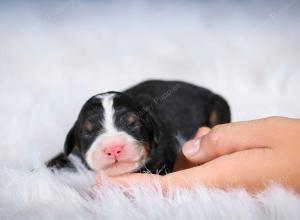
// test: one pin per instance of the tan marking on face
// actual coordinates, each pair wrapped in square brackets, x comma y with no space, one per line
[88,126]
[213,118]
[131,118]
[144,152]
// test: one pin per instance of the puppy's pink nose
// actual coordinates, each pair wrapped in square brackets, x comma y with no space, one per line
[114,151]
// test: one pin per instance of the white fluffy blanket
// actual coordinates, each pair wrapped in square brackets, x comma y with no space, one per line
[54,55]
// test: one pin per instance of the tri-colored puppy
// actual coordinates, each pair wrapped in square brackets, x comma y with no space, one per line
[140,129]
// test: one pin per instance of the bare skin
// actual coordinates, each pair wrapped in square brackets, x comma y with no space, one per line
[250,155]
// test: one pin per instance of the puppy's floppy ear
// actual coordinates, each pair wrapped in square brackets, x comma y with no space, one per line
[71,140]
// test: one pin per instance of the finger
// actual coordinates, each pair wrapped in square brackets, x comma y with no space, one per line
[182,162]
[191,147]
[123,180]
[233,137]
[228,172]
[192,152]
[202,131]
[137,178]
[127,180]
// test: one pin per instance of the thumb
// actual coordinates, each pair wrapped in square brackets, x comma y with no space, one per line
[191,148]
[229,138]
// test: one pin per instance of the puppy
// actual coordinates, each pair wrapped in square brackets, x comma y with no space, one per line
[140,129]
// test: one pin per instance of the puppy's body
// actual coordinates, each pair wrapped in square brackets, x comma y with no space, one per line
[180,108]
[161,111]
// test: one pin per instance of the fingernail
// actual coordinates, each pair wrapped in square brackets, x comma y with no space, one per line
[193,147]
[197,143]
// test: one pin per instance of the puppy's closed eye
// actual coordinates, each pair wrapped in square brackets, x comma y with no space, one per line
[88,126]
[132,119]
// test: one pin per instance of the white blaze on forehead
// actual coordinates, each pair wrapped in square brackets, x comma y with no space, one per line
[108,114]
[107,101]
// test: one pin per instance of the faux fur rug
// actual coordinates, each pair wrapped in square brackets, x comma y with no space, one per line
[55,55]
[42,195]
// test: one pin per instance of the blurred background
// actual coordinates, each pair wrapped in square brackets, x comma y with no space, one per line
[56,54]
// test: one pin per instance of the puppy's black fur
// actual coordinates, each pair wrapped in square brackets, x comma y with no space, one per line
[168,111]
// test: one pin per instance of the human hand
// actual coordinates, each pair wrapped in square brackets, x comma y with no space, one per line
[251,153]
[247,154]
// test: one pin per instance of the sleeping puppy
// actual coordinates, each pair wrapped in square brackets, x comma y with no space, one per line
[140,129]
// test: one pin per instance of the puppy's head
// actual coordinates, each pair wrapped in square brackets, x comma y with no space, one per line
[113,134]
